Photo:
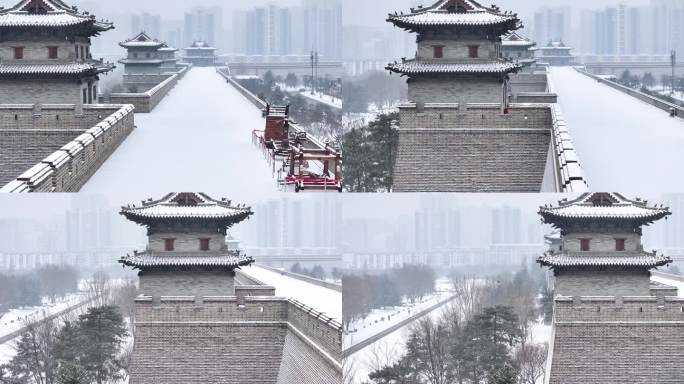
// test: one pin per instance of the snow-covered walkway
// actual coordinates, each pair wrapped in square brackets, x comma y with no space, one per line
[623,143]
[199,138]
[327,301]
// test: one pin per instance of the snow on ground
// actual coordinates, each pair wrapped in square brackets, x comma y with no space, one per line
[320,97]
[17,318]
[327,301]
[383,352]
[381,319]
[674,283]
[665,90]
[7,351]
[623,143]
[200,138]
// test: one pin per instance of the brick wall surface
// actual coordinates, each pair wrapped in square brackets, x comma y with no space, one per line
[147,100]
[637,341]
[462,89]
[446,148]
[301,364]
[528,82]
[186,242]
[457,50]
[36,48]
[41,91]
[21,150]
[205,353]
[597,283]
[224,340]
[178,283]
[71,165]
[601,241]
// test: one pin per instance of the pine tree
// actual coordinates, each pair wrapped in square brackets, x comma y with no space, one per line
[102,330]
[70,372]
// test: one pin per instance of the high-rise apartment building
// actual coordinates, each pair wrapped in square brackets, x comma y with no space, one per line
[203,24]
[145,22]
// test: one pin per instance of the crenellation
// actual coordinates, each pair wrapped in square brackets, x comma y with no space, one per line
[67,147]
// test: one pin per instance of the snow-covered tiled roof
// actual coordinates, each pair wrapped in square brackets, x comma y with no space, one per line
[410,67]
[142,40]
[187,205]
[603,205]
[513,39]
[454,13]
[591,259]
[53,69]
[48,13]
[200,45]
[171,259]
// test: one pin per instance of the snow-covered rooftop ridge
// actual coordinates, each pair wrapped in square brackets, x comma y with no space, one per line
[57,69]
[514,39]
[229,259]
[47,13]
[187,205]
[453,12]
[603,205]
[142,40]
[590,259]
[425,66]
[201,45]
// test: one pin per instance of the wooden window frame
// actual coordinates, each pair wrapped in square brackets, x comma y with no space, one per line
[169,244]
[18,53]
[620,245]
[204,244]
[53,53]
[438,51]
[474,51]
[585,245]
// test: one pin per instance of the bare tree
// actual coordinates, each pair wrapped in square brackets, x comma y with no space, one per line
[123,361]
[470,292]
[428,348]
[99,289]
[349,371]
[123,296]
[382,354]
[34,360]
[531,359]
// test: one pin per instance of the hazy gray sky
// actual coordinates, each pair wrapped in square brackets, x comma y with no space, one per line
[374,12]
[363,12]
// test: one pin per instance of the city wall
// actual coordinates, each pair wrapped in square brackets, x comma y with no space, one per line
[247,340]
[243,91]
[308,279]
[448,148]
[646,333]
[567,171]
[142,82]
[146,102]
[654,101]
[98,131]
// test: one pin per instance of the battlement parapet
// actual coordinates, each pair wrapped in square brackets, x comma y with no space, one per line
[321,329]
[627,309]
[145,102]
[445,116]
[102,128]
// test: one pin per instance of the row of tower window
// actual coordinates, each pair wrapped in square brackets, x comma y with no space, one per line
[585,245]
[53,52]
[473,51]
[170,244]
